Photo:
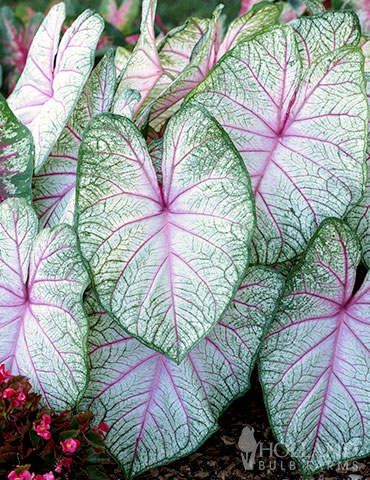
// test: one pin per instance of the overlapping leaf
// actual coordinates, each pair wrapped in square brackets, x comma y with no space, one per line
[158,411]
[301,135]
[42,322]
[359,217]
[45,95]
[165,261]
[126,102]
[54,185]
[316,358]
[16,155]
[324,33]
[143,68]
[175,51]
[208,51]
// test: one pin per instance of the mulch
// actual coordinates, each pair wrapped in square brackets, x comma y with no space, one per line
[219,458]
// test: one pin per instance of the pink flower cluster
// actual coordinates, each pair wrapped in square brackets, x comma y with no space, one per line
[17,398]
[26,475]
[43,428]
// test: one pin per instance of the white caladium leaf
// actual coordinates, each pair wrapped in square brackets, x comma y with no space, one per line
[126,102]
[315,6]
[259,17]
[143,68]
[208,52]
[175,51]
[16,155]
[158,411]
[359,217]
[324,33]
[316,358]
[121,57]
[155,148]
[164,261]
[45,95]
[303,142]
[42,322]
[54,185]
[365,47]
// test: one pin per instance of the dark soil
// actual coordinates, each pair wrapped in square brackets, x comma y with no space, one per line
[219,458]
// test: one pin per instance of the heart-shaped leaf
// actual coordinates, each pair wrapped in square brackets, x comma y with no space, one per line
[316,357]
[16,155]
[45,95]
[208,51]
[302,136]
[54,185]
[42,321]
[158,411]
[165,261]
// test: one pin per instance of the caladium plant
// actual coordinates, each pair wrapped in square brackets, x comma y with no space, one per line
[165,260]
[159,410]
[45,95]
[210,48]
[54,184]
[301,130]
[315,361]
[42,321]
[165,211]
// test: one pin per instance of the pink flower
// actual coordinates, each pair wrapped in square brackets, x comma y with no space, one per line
[25,475]
[19,399]
[4,375]
[101,429]
[46,419]
[49,476]
[104,427]
[70,445]
[42,429]
[8,393]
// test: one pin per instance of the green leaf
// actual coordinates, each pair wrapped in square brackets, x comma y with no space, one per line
[16,155]
[315,361]
[120,59]
[164,261]
[158,411]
